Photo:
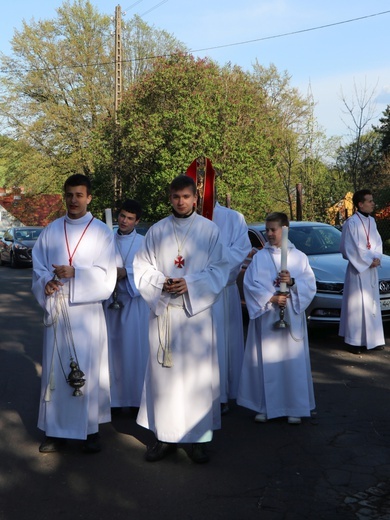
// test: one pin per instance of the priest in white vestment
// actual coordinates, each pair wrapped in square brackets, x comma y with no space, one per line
[361,318]
[276,379]
[73,272]
[227,310]
[127,316]
[180,271]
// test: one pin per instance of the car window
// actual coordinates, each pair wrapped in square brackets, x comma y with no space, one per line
[34,233]
[26,233]
[315,240]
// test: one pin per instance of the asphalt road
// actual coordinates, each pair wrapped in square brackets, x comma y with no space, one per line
[334,466]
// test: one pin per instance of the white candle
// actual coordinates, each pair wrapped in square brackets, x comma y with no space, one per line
[283,259]
[108,214]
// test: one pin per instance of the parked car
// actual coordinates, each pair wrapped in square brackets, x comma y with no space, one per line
[16,245]
[321,243]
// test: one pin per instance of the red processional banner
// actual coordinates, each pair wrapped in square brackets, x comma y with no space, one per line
[203,173]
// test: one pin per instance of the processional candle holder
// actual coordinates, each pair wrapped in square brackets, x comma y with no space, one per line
[282,323]
[76,379]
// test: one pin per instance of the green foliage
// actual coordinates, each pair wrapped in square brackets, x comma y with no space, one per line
[60,84]
[247,124]
[141,44]
[57,102]
[185,108]
[55,92]
[327,189]
[22,165]
[359,162]
[383,131]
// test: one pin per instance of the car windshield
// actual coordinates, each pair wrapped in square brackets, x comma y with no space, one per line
[315,240]
[27,234]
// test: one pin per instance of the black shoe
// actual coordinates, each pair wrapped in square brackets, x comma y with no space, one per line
[116,410]
[199,454]
[52,444]
[224,408]
[381,347]
[92,444]
[356,350]
[158,451]
[133,411]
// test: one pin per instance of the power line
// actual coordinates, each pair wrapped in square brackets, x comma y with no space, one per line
[149,10]
[133,5]
[290,33]
[154,7]
[5,71]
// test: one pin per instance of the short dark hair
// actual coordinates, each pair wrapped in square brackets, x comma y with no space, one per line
[78,179]
[183,181]
[359,196]
[131,206]
[276,216]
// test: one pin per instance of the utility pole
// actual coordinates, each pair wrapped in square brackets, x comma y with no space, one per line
[117,100]
[118,58]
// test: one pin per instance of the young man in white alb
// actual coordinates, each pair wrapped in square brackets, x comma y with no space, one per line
[361,323]
[180,270]
[73,272]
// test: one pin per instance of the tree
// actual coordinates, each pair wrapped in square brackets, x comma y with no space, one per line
[141,45]
[292,136]
[17,158]
[185,108]
[383,131]
[59,84]
[364,162]
[320,182]
[361,110]
[57,104]
[361,169]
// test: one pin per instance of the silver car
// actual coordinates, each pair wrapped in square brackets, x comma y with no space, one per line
[321,243]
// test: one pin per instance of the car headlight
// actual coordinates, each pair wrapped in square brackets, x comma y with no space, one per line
[330,287]
[20,247]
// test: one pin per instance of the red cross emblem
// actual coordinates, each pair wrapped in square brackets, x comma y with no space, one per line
[179,262]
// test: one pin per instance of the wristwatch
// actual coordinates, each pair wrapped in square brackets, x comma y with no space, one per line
[292,282]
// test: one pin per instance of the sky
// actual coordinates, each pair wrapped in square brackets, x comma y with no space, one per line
[333,50]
